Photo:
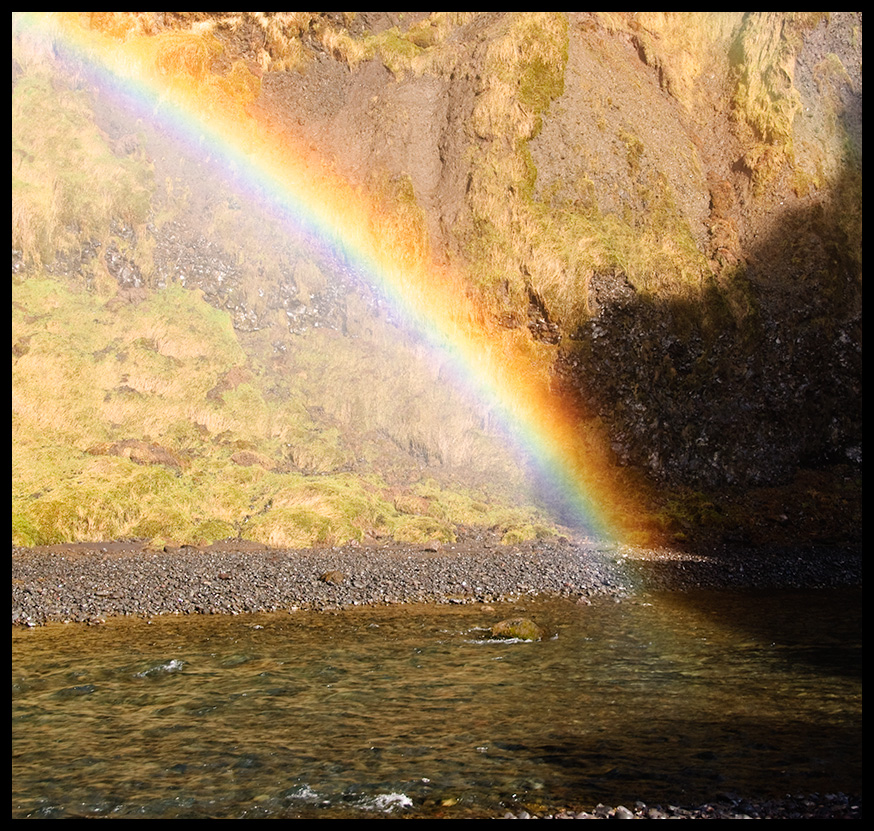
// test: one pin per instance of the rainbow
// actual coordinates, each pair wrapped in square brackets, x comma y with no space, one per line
[270,163]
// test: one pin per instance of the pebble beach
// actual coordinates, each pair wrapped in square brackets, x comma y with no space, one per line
[86,582]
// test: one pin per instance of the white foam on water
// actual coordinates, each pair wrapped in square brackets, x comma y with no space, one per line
[173,665]
[305,794]
[388,802]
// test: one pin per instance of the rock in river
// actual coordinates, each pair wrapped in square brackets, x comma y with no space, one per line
[522,628]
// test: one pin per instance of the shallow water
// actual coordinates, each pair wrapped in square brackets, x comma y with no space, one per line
[413,711]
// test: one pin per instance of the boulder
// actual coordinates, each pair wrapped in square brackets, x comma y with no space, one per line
[522,628]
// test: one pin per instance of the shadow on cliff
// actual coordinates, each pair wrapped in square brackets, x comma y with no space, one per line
[743,403]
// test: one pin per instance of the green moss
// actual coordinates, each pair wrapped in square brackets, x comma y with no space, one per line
[422,529]
[523,74]
[396,50]
[765,98]
[67,183]
[524,533]
[633,150]
[685,512]
[542,78]
[25,531]
[298,527]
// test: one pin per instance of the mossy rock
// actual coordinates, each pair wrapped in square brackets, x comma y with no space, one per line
[521,628]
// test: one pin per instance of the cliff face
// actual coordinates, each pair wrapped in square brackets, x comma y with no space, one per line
[719,332]
[667,206]
[755,371]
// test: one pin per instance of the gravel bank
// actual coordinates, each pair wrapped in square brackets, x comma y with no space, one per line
[88,582]
[807,806]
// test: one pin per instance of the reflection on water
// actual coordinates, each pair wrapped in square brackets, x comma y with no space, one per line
[412,711]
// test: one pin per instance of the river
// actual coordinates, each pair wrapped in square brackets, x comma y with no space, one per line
[413,711]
